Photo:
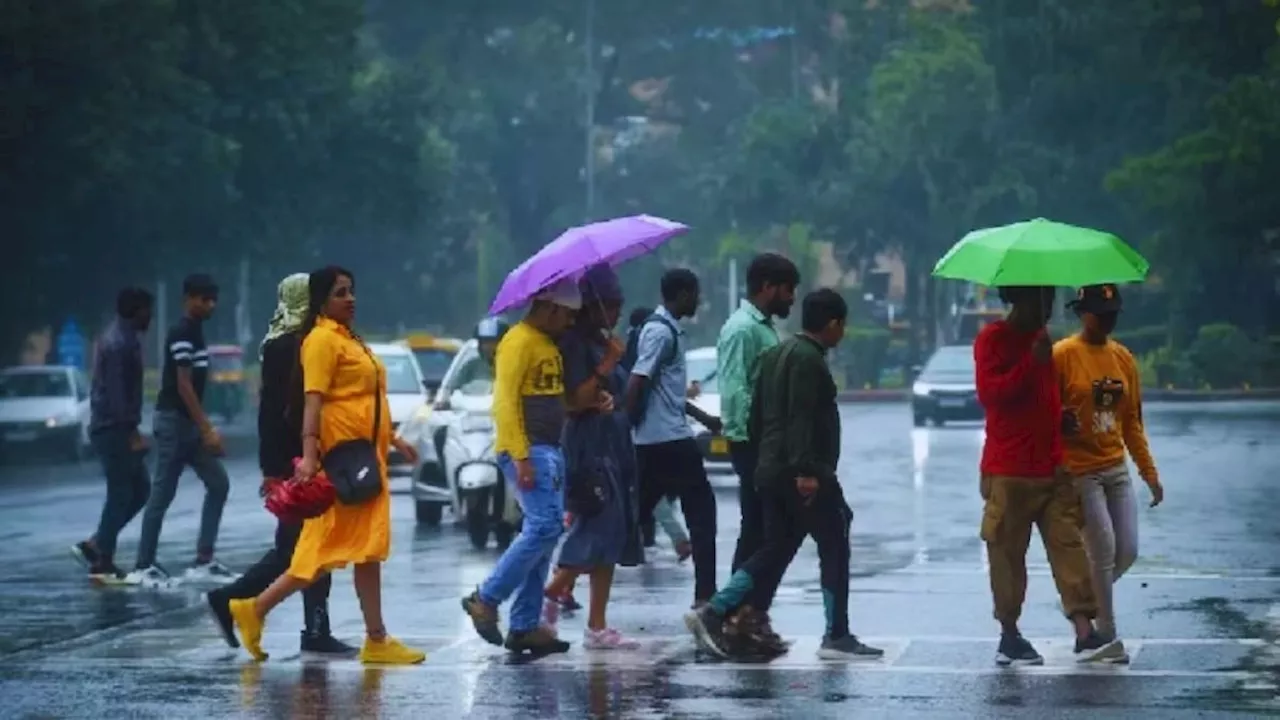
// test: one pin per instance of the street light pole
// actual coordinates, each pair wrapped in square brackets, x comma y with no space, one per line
[590,84]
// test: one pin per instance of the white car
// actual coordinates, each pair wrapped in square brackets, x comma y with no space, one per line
[406,394]
[45,406]
[701,365]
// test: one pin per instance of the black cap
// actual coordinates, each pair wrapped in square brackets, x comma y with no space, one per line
[1097,299]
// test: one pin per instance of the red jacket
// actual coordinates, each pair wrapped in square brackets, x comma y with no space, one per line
[1022,402]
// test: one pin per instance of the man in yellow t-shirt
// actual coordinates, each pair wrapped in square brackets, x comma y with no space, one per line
[1102,419]
[529,414]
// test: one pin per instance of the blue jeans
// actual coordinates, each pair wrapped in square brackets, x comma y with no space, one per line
[522,570]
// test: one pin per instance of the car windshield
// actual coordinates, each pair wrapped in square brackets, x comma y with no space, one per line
[54,383]
[401,378]
[703,371]
[434,362]
[951,360]
[475,377]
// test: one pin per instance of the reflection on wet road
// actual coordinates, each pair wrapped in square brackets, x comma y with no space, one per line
[1200,611]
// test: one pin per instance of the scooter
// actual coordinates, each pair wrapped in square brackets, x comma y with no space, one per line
[488,506]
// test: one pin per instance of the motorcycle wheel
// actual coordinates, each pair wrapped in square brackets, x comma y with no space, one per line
[504,534]
[478,521]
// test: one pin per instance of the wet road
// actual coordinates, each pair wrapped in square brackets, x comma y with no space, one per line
[1200,611]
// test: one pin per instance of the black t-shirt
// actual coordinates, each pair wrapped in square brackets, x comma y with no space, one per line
[184,347]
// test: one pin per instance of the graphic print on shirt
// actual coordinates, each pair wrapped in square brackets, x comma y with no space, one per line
[547,376]
[1107,393]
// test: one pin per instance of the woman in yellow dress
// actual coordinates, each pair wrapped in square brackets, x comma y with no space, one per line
[342,377]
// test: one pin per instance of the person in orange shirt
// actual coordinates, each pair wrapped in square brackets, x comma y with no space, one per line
[1102,419]
[345,388]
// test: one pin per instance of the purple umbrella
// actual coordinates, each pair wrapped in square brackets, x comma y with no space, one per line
[568,256]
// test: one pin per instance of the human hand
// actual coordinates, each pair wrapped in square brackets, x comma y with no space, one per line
[807,487]
[1157,491]
[138,442]
[715,425]
[604,402]
[695,389]
[306,468]
[524,474]
[409,452]
[211,440]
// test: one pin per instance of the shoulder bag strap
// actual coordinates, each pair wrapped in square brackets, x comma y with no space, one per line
[377,393]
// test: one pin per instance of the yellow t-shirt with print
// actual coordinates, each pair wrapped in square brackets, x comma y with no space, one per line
[1100,384]
[528,391]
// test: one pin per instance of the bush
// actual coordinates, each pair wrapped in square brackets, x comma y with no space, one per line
[1224,356]
[863,355]
[1164,368]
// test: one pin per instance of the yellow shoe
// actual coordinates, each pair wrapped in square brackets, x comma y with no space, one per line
[248,627]
[389,651]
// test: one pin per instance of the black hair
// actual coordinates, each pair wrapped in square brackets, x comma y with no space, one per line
[131,301]
[199,285]
[820,308]
[771,269]
[319,285]
[1015,294]
[676,281]
[639,315]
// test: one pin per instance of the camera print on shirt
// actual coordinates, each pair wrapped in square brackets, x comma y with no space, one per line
[547,376]
[1107,394]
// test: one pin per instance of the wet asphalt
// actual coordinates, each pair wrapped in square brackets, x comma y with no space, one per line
[1200,612]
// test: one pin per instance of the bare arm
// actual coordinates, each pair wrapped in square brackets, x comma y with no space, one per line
[311,426]
[190,400]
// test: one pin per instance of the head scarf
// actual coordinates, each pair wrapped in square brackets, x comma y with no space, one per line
[600,284]
[291,308]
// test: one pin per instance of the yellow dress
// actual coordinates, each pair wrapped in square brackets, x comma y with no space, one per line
[336,365]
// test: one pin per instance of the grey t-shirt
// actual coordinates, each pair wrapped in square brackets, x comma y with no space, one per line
[664,418]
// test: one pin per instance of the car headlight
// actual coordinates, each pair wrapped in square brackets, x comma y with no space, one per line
[921,388]
[60,420]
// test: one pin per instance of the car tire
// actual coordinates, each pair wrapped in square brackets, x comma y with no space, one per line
[939,422]
[918,420]
[77,450]
[504,533]
[428,513]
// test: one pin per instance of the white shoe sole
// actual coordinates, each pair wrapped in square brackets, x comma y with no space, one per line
[1106,653]
[1006,661]
[700,634]
[824,654]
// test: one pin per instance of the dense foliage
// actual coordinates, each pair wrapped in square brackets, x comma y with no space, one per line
[429,145]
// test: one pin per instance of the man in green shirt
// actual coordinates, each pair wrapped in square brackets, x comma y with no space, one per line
[795,419]
[771,291]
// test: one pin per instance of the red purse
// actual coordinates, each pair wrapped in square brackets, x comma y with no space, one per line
[294,501]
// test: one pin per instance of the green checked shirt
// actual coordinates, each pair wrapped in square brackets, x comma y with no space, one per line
[743,339]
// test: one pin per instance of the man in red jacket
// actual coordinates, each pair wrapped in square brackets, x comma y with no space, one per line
[1023,482]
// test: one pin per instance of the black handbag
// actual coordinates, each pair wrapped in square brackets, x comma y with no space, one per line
[352,465]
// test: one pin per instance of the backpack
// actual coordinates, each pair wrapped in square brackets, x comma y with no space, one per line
[630,355]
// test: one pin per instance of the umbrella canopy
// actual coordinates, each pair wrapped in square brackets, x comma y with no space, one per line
[1041,252]
[570,255]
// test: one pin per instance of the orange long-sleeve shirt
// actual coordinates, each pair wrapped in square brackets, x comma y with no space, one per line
[1100,384]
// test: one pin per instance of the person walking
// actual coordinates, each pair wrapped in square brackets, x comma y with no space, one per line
[529,414]
[115,402]
[668,456]
[601,480]
[280,406]
[1023,482]
[749,331]
[345,395]
[1102,419]
[185,437]
[795,417]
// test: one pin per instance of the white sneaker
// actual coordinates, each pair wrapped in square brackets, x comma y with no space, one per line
[153,577]
[211,572]
[607,639]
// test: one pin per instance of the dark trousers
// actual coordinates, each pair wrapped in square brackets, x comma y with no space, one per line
[128,485]
[178,445]
[675,469]
[744,456]
[315,599]
[788,519]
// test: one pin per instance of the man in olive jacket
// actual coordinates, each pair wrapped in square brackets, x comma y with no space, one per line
[794,414]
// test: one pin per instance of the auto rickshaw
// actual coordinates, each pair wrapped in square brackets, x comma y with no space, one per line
[225,392]
[434,355]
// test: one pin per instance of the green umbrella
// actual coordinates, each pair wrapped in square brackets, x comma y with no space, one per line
[1041,252]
